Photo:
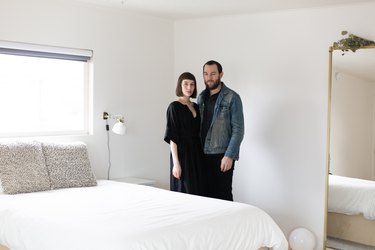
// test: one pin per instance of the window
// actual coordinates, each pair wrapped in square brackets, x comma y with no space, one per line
[43,90]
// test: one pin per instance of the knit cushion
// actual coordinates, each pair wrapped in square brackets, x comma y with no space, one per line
[68,165]
[22,167]
[1,188]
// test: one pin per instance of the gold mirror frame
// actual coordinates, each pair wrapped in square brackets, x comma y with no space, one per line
[371,45]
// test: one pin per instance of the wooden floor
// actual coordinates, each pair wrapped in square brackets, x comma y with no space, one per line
[336,244]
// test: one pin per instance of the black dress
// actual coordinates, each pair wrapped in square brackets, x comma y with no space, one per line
[183,129]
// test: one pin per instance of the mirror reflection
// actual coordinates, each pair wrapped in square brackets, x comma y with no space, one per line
[351,190]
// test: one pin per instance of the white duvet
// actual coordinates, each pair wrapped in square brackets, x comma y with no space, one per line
[351,196]
[114,216]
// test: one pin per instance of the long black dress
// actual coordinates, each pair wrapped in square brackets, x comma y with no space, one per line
[183,129]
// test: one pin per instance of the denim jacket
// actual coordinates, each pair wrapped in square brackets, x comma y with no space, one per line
[227,128]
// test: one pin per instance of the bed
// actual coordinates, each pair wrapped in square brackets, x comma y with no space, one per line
[114,215]
[351,209]
[52,201]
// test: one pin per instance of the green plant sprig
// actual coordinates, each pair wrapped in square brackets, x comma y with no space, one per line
[352,42]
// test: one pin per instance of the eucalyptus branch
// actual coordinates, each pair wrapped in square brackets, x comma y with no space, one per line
[352,42]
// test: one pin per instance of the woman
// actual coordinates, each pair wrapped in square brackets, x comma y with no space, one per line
[182,133]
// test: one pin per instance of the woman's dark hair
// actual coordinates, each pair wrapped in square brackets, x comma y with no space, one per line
[212,62]
[186,76]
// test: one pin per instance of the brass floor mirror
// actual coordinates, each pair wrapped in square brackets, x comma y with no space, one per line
[350,180]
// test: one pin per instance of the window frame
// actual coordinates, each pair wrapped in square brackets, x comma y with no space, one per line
[60,53]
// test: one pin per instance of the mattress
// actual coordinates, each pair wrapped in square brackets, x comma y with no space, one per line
[114,216]
[351,196]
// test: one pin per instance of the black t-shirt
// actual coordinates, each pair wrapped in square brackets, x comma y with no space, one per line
[208,113]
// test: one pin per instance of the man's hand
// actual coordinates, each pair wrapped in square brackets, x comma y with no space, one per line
[226,164]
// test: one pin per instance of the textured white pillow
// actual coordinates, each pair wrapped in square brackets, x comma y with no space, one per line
[68,165]
[22,167]
[1,188]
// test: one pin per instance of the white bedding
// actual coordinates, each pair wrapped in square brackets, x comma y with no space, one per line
[114,216]
[351,196]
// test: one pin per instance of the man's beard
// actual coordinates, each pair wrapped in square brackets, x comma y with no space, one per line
[213,86]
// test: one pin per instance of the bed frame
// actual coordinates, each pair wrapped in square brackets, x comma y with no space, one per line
[353,228]
[5,248]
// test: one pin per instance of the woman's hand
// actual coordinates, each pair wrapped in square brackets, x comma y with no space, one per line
[176,171]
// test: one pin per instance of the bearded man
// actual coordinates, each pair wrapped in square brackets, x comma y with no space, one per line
[222,130]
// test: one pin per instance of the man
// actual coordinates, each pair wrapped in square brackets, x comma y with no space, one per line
[222,130]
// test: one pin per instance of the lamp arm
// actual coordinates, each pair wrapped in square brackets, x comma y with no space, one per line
[107,116]
[117,117]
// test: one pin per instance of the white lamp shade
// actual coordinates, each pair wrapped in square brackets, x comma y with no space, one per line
[119,128]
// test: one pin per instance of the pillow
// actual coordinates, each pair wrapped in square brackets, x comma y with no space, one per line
[22,167]
[1,188]
[68,165]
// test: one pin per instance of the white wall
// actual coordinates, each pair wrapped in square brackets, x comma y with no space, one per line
[278,62]
[133,63]
[352,126]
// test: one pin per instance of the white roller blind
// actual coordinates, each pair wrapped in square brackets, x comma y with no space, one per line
[44,90]
[34,50]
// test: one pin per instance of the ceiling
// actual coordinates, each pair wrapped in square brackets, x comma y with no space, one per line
[184,9]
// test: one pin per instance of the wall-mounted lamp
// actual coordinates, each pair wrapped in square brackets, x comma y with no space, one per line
[119,127]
